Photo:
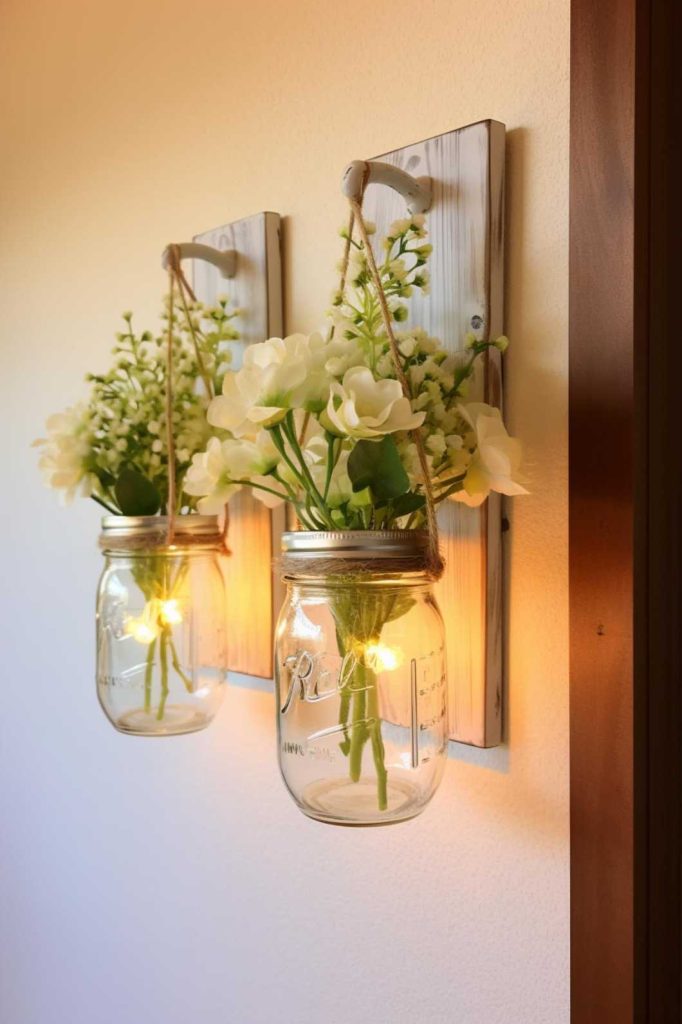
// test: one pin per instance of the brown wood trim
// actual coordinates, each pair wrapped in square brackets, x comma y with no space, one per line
[626,512]
[658,537]
[601,396]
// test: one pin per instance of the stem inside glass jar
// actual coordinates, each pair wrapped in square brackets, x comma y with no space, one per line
[360,613]
[160,581]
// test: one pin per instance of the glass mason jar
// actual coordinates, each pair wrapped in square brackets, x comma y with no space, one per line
[360,676]
[161,637]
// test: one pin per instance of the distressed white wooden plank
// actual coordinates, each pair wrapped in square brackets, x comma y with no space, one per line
[466,229]
[253,595]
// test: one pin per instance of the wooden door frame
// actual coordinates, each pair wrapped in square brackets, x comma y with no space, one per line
[625,431]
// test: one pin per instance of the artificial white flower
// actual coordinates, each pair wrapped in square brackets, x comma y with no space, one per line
[357,265]
[216,474]
[435,444]
[208,479]
[277,375]
[399,227]
[364,407]
[339,354]
[65,452]
[397,269]
[407,346]
[495,460]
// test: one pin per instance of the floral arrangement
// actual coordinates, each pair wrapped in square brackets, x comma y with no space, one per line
[319,421]
[323,422]
[113,446]
[326,422]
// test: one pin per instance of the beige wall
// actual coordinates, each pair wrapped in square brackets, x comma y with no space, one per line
[145,882]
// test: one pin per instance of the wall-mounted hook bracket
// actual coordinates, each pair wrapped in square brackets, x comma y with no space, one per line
[225,261]
[417,192]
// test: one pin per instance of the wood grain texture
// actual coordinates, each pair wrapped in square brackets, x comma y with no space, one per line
[602,427]
[253,596]
[466,229]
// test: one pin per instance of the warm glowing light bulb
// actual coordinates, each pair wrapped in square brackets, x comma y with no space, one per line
[382,658]
[155,615]
[141,631]
[170,612]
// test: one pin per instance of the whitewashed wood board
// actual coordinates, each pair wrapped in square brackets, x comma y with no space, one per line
[253,594]
[466,225]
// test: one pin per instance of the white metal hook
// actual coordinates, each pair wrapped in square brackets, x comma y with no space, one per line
[417,192]
[224,260]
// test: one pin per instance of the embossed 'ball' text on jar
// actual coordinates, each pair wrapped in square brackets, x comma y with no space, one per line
[360,676]
[161,637]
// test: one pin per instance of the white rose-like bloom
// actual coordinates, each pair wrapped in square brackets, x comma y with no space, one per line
[64,453]
[213,473]
[363,407]
[496,459]
[277,375]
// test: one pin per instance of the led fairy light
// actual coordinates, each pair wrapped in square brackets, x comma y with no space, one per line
[382,658]
[155,615]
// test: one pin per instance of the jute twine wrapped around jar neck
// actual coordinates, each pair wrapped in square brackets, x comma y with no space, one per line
[149,534]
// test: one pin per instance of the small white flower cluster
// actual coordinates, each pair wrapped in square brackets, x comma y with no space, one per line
[323,422]
[123,424]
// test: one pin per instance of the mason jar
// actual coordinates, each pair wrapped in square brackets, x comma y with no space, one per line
[161,630]
[360,676]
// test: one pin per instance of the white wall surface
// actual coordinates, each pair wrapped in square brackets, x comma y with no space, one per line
[160,882]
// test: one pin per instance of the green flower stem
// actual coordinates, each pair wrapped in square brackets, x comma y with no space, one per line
[457,485]
[314,515]
[189,686]
[277,432]
[331,463]
[289,429]
[278,441]
[104,504]
[291,497]
[344,700]
[149,668]
[260,487]
[344,711]
[358,735]
[360,615]
[163,655]
[374,726]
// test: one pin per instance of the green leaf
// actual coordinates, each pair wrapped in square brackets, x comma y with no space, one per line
[136,495]
[407,503]
[377,464]
[105,478]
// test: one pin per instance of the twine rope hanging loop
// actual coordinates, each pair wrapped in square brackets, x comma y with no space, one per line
[436,564]
[177,279]
[173,273]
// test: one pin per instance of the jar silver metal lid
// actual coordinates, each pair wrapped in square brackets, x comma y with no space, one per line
[344,544]
[337,553]
[151,531]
